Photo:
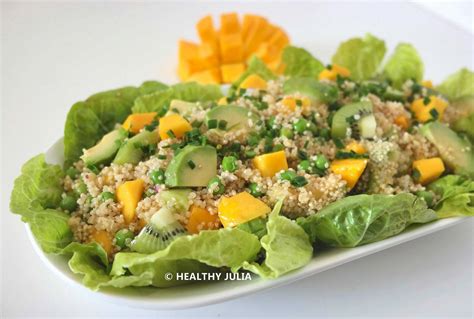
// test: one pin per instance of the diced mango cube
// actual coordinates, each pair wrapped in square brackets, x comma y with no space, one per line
[187,50]
[104,239]
[279,39]
[186,68]
[210,76]
[229,23]
[249,21]
[267,52]
[271,163]
[231,72]
[427,170]
[402,121]
[173,123]
[208,57]
[200,219]
[240,208]
[356,148]
[349,169]
[254,81]
[231,48]
[331,74]
[429,108]
[128,195]
[206,31]
[292,102]
[256,35]
[135,122]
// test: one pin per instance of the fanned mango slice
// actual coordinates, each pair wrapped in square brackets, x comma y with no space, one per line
[428,170]
[349,169]
[229,48]
[240,208]
[128,195]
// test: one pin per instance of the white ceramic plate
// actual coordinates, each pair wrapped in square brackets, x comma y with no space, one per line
[205,293]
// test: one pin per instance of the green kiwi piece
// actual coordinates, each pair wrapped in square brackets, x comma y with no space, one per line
[357,117]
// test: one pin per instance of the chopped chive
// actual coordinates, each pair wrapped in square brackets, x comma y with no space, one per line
[222,124]
[212,124]
[426,100]
[299,102]
[170,134]
[250,154]
[196,124]
[338,142]
[161,157]
[434,113]
[191,164]
[302,155]
[299,181]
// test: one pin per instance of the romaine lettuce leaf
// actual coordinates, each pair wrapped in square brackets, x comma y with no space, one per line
[36,192]
[87,121]
[362,56]
[299,62]
[189,91]
[456,196]
[287,247]
[255,66]
[404,64]
[362,219]
[458,85]
[312,88]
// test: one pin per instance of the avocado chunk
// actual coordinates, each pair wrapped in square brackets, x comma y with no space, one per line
[357,117]
[132,151]
[182,108]
[455,151]
[103,152]
[193,166]
[176,199]
[236,117]
[312,88]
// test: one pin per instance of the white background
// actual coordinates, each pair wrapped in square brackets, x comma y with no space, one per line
[55,54]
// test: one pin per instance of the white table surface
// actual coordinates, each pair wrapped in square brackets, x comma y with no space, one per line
[55,54]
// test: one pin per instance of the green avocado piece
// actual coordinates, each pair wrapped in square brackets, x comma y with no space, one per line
[237,117]
[177,199]
[132,150]
[455,151]
[312,88]
[182,108]
[193,166]
[103,152]
[360,114]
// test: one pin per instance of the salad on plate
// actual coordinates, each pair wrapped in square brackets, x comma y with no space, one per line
[256,176]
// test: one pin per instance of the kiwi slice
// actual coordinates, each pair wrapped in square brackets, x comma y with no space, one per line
[159,233]
[358,117]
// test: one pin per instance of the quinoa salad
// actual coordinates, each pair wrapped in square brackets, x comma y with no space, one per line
[254,176]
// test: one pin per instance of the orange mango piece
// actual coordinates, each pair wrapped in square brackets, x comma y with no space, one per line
[249,21]
[271,163]
[332,74]
[210,76]
[207,32]
[356,148]
[128,195]
[291,103]
[231,48]
[137,121]
[254,81]
[240,208]
[279,39]
[402,121]
[425,112]
[229,23]
[104,239]
[349,169]
[427,84]
[201,219]
[231,72]
[428,170]
[174,123]
[256,35]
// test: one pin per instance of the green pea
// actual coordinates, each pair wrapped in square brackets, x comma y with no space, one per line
[255,190]
[304,166]
[68,203]
[81,188]
[299,181]
[286,132]
[157,176]
[72,172]
[220,187]
[427,196]
[288,175]
[321,162]
[313,129]
[229,164]
[106,195]
[300,126]
[123,237]
[253,139]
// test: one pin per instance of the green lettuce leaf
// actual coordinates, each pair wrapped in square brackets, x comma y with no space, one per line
[312,88]
[190,91]
[456,196]
[257,226]
[465,125]
[299,62]
[404,64]
[458,85]
[87,121]
[287,247]
[255,66]
[362,56]
[36,192]
[362,219]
